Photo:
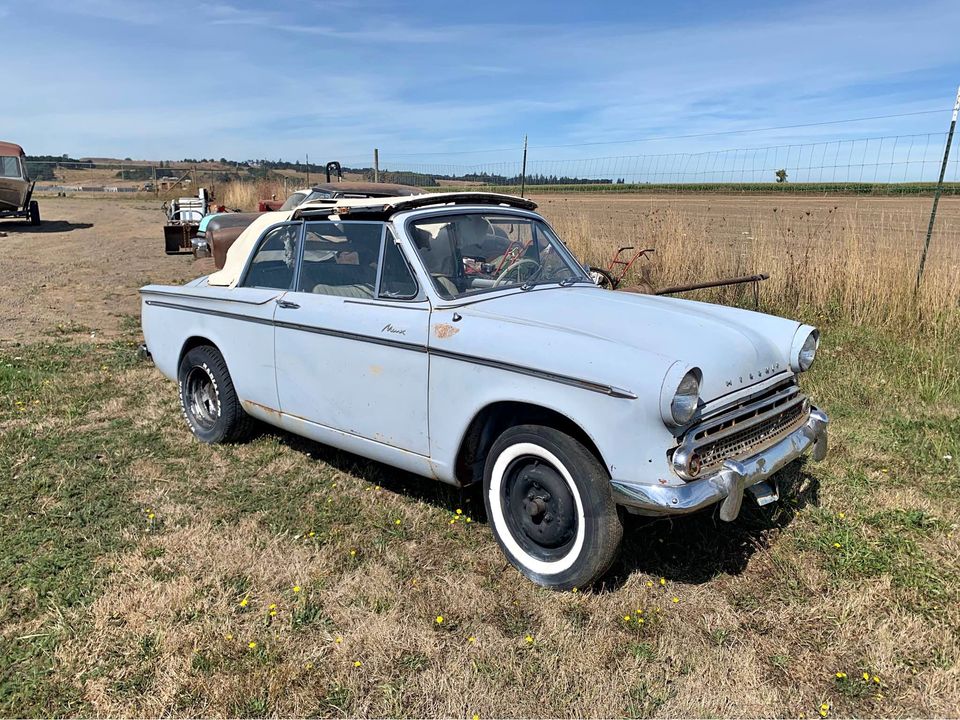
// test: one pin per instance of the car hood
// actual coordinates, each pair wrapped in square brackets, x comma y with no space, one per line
[734,348]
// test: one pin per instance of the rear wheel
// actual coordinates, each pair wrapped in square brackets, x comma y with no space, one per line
[34,212]
[551,507]
[208,399]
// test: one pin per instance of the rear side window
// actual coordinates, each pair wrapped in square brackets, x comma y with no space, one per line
[274,264]
[9,167]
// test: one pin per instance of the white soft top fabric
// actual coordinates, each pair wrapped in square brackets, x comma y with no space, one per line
[238,253]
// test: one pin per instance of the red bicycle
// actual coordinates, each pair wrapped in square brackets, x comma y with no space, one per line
[611,276]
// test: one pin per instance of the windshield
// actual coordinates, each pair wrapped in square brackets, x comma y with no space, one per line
[293,201]
[475,252]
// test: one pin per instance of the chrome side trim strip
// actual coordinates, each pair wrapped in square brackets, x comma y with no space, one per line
[207,298]
[415,347]
[542,374]
[208,311]
[609,390]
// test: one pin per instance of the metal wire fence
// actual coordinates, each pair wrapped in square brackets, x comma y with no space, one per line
[887,164]
[890,164]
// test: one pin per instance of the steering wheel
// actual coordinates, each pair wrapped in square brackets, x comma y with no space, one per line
[502,277]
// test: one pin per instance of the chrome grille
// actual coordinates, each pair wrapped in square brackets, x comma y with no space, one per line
[741,431]
[745,441]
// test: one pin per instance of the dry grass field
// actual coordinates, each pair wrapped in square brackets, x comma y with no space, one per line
[145,574]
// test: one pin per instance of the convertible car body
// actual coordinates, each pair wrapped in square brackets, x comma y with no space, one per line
[454,336]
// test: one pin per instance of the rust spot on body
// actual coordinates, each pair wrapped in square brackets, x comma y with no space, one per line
[247,404]
[444,330]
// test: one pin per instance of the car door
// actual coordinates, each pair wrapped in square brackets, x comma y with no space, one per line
[351,339]
[241,318]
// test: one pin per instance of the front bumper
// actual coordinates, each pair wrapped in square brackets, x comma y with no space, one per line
[728,483]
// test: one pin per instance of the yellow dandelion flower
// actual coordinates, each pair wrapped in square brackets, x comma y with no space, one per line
[273,613]
[357,663]
[876,679]
[151,516]
[459,511]
[663,581]
[272,606]
[841,515]
[529,639]
[676,599]
[309,666]
[296,588]
[353,553]
[439,619]
[841,675]
[228,636]
[574,590]
[471,639]
[252,645]
[626,618]
[311,533]
[639,621]
[866,676]
[338,640]
[469,520]
[476,717]
[452,521]
[397,521]
[649,583]
[244,602]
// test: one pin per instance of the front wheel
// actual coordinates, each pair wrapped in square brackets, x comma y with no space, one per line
[208,399]
[551,507]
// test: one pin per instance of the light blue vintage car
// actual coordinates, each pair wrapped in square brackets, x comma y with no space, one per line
[455,337]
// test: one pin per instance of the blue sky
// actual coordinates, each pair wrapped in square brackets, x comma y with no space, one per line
[174,79]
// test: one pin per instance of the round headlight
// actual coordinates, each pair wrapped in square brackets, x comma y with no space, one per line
[685,400]
[808,352]
[803,348]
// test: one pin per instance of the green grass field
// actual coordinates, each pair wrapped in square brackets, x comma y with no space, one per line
[146,574]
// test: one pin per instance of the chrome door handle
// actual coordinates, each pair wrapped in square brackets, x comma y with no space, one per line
[287,304]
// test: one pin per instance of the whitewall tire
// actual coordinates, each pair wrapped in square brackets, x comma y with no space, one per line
[550,507]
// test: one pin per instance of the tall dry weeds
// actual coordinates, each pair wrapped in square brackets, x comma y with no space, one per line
[835,265]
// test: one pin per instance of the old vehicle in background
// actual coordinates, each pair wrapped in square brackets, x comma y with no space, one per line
[454,336]
[183,221]
[337,188]
[16,187]
[218,232]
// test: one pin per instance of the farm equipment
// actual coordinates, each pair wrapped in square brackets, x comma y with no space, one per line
[612,276]
[183,221]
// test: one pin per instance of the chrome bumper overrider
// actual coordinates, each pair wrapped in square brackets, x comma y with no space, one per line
[728,483]
[201,248]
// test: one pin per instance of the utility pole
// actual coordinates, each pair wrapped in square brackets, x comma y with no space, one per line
[308,169]
[936,194]
[523,170]
[376,165]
